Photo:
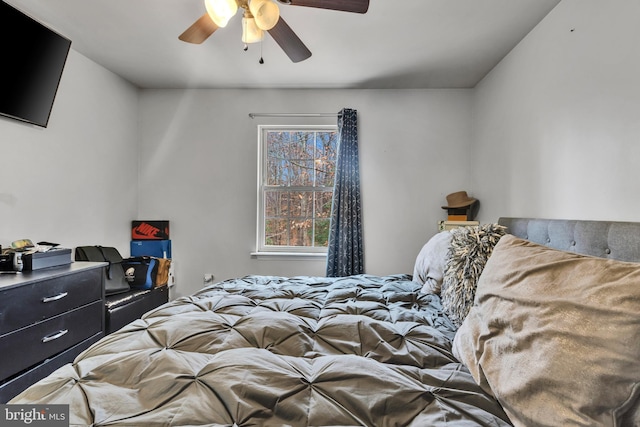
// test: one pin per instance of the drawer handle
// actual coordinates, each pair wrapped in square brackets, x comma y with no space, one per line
[55,336]
[55,297]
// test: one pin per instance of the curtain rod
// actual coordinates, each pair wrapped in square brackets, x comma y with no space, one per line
[254,115]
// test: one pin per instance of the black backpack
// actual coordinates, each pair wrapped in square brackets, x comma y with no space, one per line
[115,282]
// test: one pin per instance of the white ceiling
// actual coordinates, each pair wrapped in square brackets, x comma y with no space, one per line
[396,44]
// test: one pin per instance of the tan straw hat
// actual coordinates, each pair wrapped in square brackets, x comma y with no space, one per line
[459,199]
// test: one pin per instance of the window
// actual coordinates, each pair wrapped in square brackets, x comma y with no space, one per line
[296,172]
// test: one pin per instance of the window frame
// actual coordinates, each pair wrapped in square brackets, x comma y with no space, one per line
[261,247]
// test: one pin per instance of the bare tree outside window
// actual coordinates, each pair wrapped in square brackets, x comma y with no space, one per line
[298,170]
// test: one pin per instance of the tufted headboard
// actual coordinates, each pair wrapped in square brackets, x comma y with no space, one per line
[605,239]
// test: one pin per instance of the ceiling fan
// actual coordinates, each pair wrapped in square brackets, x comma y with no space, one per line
[260,16]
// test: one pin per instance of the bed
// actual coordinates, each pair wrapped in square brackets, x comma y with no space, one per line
[524,322]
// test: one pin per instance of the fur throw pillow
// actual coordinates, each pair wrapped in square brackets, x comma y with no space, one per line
[469,250]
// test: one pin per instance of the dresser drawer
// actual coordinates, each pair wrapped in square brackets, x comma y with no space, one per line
[31,345]
[18,383]
[25,305]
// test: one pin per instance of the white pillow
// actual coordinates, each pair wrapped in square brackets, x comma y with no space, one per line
[430,263]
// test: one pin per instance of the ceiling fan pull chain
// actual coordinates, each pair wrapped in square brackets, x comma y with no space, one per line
[244,31]
[261,61]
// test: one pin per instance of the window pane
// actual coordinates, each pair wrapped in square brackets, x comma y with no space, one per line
[277,147]
[326,143]
[301,145]
[276,232]
[325,158]
[323,204]
[301,173]
[276,173]
[325,173]
[322,232]
[301,231]
[302,204]
[276,204]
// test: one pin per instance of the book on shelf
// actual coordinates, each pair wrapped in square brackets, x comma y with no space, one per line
[458,211]
[460,214]
[449,225]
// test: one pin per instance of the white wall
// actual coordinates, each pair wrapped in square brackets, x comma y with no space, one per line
[552,131]
[198,160]
[74,182]
[557,122]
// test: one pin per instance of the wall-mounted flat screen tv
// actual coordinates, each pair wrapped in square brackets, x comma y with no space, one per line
[33,57]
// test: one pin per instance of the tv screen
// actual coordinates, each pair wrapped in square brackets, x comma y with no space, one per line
[33,57]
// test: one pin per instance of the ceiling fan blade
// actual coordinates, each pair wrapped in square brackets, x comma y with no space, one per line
[199,31]
[289,41]
[356,6]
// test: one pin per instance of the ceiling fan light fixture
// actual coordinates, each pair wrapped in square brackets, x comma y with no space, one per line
[221,11]
[260,16]
[265,12]
[251,33]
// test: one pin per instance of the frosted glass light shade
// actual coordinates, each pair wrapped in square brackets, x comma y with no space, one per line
[221,11]
[265,12]
[250,31]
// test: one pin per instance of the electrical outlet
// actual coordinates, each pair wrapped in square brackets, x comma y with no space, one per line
[208,278]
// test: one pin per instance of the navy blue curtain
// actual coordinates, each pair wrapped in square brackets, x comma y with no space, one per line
[345,256]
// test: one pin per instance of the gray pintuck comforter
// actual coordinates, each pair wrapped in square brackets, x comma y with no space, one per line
[272,351]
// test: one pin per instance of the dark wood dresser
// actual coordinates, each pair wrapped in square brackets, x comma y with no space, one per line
[47,318]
